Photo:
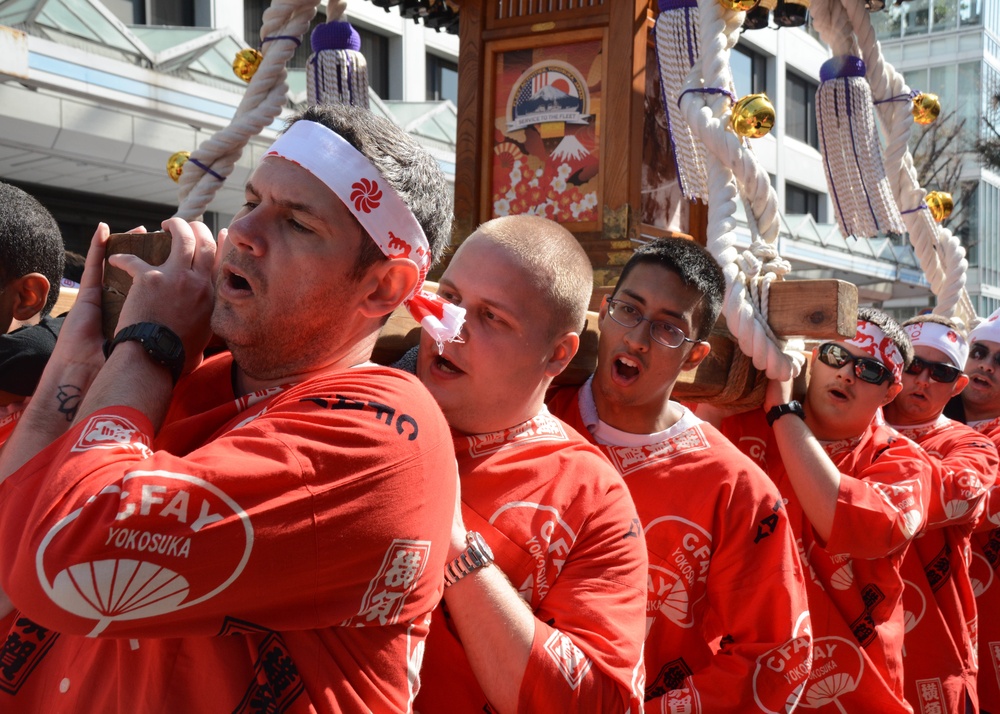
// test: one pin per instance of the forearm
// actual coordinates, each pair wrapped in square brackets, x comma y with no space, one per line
[497,630]
[49,414]
[814,477]
[130,379]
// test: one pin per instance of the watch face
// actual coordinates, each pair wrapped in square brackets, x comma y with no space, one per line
[166,341]
[482,545]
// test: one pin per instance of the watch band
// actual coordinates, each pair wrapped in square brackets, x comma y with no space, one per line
[161,343]
[776,412]
[477,555]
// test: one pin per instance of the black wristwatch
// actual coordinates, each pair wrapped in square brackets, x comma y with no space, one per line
[161,343]
[477,555]
[793,407]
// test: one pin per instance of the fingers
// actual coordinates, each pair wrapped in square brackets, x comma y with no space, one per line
[205,249]
[93,266]
[182,241]
[137,229]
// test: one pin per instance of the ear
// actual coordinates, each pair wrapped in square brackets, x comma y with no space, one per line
[30,293]
[895,389]
[386,285]
[698,352]
[960,384]
[563,351]
[602,312]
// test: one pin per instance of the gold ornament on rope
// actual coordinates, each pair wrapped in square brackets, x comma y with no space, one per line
[753,116]
[926,108]
[246,63]
[175,164]
[940,204]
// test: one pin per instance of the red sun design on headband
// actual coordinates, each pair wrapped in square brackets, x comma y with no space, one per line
[366,195]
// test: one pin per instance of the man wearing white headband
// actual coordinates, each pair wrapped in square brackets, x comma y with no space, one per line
[940,654]
[270,533]
[545,604]
[857,496]
[980,409]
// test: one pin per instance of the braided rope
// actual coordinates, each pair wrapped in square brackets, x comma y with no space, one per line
[262,102]
[677,49]
[735,169]
[846,26]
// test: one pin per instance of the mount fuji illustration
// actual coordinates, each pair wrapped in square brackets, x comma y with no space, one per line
[548,99]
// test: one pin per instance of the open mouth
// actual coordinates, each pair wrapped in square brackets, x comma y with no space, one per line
[446,366]
[238,282]
[979,381]
[625,369]
[838,395]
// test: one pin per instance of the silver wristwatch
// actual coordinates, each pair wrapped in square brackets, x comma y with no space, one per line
[477,555]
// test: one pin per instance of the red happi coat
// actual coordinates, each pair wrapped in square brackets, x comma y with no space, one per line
[727,618]
[281,551]
[984,571]
[939,653]
[564,530]
[855,592]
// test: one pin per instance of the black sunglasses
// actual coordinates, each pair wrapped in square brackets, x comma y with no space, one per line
[939,371]
[980,352]
[866,369]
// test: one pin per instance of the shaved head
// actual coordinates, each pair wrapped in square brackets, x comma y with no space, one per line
[557,266]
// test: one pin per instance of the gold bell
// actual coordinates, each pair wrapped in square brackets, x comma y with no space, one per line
[753,116]
[246,63]
[175,164]
[739,5]
[926,107]
[940,204]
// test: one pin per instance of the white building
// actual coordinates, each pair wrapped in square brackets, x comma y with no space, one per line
[96,96]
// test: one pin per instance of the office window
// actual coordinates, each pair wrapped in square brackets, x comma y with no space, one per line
[800,110]
[176,13]
[749,70]
[442,79]
[800,201]
[375,48]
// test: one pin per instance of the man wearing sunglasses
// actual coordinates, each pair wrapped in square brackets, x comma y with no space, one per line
[940,655]
[857,495]
[980,409]
[727,614]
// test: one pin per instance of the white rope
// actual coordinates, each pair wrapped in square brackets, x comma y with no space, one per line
[846,26]
[735,169]
[262,102]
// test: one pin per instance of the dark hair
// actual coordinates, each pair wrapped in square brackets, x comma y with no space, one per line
[73,270]
[696,268]
[30,241]
[939,320]
[405,165]
[891,329]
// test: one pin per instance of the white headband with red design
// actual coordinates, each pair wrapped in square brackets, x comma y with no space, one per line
[378,208]
[988,330]
[940,337]
[871,340]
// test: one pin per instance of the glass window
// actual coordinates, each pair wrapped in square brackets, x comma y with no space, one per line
[888,24]
[945,16]
[917,17]
[442,79]
[799,201]
[179,13]
[375,48]
[970,12]
[749,70]
[800,109]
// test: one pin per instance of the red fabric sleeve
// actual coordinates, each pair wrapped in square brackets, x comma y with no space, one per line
[315,513]
[883,506]
[591,660]
[969,468]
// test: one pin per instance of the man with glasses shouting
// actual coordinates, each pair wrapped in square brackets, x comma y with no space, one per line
[979,407]
[857,495]
[727,615]
[940,652]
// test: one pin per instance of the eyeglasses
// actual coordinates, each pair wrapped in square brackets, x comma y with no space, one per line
[663,332]
[865,368]
[939,371]
[979,352]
